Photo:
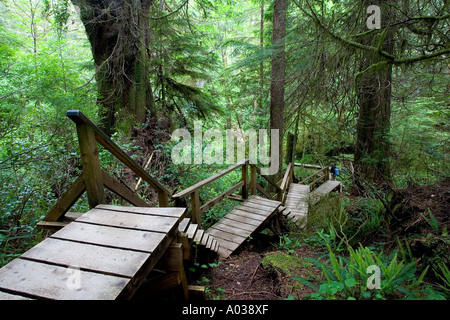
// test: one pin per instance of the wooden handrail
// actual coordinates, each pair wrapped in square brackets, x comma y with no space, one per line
[258,170]
[194,194]
[81,120]
[208,180]
[314,174]
[287,179]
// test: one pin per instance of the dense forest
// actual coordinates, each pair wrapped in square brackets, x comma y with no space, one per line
[362,84]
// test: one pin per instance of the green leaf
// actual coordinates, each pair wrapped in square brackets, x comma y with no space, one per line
[351,282]
[306,282]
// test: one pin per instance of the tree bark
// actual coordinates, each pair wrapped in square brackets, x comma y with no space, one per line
[277,77]
[119,36]
[372,149]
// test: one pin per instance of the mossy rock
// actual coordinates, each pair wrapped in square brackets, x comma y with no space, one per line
[289,265]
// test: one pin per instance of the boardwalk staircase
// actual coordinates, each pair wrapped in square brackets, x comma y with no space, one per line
[123,252]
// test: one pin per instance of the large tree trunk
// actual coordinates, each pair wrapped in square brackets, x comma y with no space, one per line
[277,77]
[119,35]
[372,148]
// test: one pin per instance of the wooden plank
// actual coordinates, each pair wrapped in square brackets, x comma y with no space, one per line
[54,282]
[264,201]
[205,239]
[51,225]
[262,212]
[224,252]
[110,236]
[122,191]
[243,219]
[226,236]
[182,227]
[225,244]
[236,224]
[216,247]
[191,231]
[129,220]
[174,212]
[67,200]
[9,296]
[223,227]
[253,216]
[202,183]
[198,236]
[72,216]
[113,261]
[208,243]
[213,245]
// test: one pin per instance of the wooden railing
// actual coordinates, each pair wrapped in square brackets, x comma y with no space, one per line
[193,192]
[93,178]
[191,195]
[318,176]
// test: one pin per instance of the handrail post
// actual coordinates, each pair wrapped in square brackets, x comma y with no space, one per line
[252,180]
[326,173]
[91,165]
[245,179]
[195,207]
[163,198]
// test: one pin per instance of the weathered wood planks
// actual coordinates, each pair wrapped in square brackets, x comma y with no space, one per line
[297,203]
[109,250]
[233,229]
[324,189]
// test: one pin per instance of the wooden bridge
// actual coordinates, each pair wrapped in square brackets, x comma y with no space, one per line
[122,252]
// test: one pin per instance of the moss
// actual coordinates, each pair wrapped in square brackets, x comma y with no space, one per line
[285,263]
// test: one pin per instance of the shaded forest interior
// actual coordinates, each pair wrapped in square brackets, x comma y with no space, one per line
[361,84]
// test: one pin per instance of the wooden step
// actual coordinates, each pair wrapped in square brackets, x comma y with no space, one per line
[191,231]
[182,227]
[233,229]
[198,236]
[204,241]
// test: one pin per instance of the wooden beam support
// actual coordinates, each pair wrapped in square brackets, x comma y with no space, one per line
[122,191]
[93,178]
[68,199]
[195,207]
[214,201]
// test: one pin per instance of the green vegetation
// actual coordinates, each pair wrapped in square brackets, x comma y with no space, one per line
[373,101]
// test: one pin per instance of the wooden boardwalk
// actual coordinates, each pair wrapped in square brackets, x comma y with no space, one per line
[104,254]
[297,203]
[324,189]
[233,229]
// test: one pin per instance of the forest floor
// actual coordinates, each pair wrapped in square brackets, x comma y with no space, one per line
[258,270]
[261,270]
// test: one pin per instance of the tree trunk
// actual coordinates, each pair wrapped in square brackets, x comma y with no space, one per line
[119,35]
[277,77]
[261,65]
[372,148]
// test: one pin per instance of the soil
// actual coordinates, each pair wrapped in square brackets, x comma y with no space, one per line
[414,202]
[242,276]
[245,276]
